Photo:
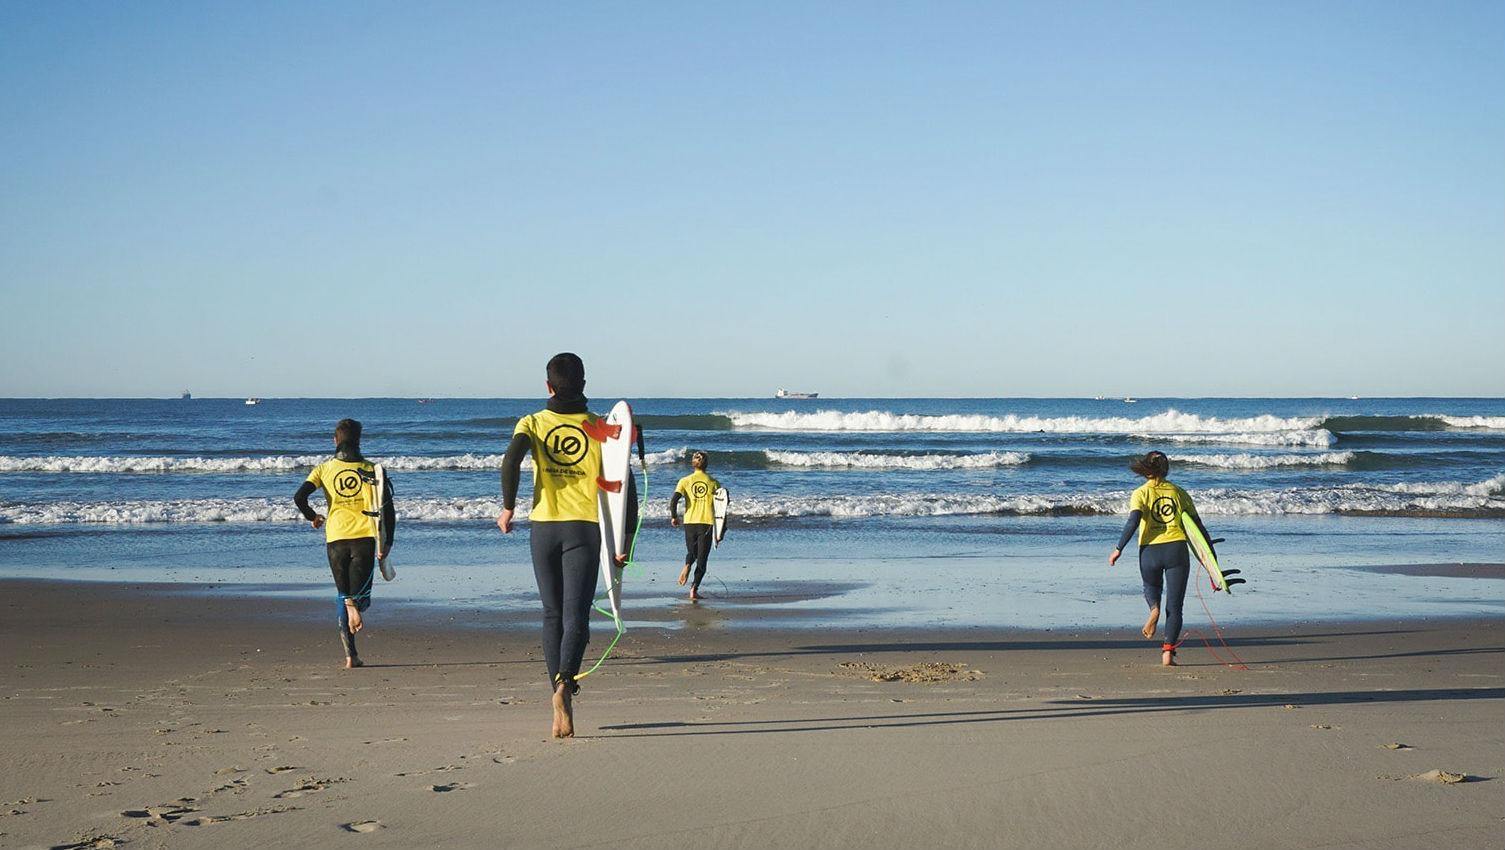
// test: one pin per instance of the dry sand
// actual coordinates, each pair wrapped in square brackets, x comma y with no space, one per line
[149,718]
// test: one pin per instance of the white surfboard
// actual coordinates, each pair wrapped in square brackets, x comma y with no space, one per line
[611,500]
[719,502]
[379,495]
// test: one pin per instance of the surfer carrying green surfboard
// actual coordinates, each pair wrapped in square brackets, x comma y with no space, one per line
[1156,511]
[698,489]
[565,531]
[350,484]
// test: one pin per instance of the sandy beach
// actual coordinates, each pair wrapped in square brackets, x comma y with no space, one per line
[145,716]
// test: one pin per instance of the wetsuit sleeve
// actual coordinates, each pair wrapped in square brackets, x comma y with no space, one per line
[1133,523]
[674,505]
[388,517]
[300,499]
[512,468]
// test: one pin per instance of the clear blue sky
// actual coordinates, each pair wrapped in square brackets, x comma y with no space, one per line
[718,199]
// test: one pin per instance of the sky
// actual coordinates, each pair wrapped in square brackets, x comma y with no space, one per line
[717,199]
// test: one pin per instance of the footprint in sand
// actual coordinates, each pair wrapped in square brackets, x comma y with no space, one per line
[363,826]
[451,786]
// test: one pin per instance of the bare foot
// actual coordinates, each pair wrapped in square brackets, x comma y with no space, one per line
[1168,658]
[564,712]
[1150,624]
[352,663]
[354,615]
[684,575]
[694,594]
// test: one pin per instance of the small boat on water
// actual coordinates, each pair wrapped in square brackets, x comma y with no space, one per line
[783,393]
[1130,400]
[253,400]
[186,396]
[425,401]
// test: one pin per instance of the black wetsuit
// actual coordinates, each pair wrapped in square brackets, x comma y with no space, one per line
[698,539]
[352,562]
[566,562]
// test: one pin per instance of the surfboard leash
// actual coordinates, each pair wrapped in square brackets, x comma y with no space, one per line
[631,559]
[1237,663]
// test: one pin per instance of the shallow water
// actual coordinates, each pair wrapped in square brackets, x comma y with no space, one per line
[962,512]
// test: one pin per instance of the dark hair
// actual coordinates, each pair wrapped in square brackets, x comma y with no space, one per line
[566,374]
[347,432]
[1152,465]
[705,459]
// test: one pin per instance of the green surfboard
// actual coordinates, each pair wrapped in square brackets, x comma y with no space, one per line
[1203,550]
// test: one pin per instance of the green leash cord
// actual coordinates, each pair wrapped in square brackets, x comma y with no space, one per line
[631,559]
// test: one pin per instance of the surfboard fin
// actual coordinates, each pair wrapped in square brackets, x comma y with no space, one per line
[600,430]
[1217,540]
[608,486]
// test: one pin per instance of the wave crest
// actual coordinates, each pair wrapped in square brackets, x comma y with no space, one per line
[1169,422]
[869,460]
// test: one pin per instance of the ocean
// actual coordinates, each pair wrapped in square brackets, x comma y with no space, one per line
[851,512]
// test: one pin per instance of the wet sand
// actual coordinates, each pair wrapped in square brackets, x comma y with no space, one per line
[1440,570]
[151,718]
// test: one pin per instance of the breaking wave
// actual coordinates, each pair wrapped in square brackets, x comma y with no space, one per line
[1453,499]
[868,460]
[1253,461]
[272,464]
[1169,422]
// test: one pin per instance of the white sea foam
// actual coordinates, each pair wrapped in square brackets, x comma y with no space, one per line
[1320,438]
[1169,422]
[1253,461]
[1486,496]
[868,460]
[273,464]
[1493,423]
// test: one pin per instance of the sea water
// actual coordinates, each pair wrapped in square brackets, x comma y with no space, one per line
[850,512]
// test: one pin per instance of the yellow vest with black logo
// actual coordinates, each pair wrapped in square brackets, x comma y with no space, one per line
[566,464]
[698,488]
[350,487]
[1160,504]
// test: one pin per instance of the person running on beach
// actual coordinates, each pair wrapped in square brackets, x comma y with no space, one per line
[349,484]
[565,532]
[697,489]
[1164,563]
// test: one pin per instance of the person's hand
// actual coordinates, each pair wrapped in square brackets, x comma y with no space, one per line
[1113,558]
[317,522]
[504,521]
[622,560]
[381,554]
[674,522]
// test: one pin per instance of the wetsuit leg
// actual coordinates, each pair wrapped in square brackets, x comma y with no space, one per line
[362,569]
[698,541]
[581,560]
[1164,567]
[339,563]
[1177,572]
[566,561]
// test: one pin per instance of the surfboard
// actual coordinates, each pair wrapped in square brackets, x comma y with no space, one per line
[611,499]
[379,495]
[1202,548]
[719,501]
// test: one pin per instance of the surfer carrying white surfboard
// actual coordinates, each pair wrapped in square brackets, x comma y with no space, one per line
[565,531]
[352,486]
[698,489]
[1156,511]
